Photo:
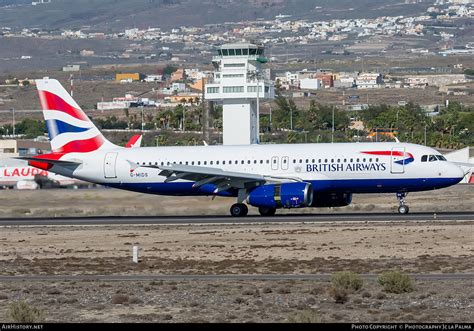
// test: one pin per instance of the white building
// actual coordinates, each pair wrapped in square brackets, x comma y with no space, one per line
[310,84]
[369,80]
[238,68]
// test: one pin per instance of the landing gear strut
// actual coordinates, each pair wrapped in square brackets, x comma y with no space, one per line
[239,210]
[402,208]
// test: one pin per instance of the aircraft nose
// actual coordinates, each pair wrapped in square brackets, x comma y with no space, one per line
[457,171]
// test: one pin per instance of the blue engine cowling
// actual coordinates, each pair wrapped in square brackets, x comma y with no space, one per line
[288,195]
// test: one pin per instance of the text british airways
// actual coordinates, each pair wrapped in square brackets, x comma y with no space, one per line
[350,167]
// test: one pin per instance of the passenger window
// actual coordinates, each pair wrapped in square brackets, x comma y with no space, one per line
[301,161]
[357,160]
[377,160]
[313,160]
[284,161]
[345,160]
[370,160]
[363,160]
[325,160]
[319,161]
[268,161]
[242,162]
[186,162]
[254,161]
[338,160]
[192,162]
[248,162]
[332,160]
[294,161]
[199,162]
[261,161]
[307,161]
[424,158]
[205,162]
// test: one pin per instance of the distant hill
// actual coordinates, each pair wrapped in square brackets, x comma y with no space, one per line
[119,14]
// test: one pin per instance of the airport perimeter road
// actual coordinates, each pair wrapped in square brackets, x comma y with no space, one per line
[295,218]
[265,277]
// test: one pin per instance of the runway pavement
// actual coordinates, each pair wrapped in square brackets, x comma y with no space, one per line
[293,218]
[207,277]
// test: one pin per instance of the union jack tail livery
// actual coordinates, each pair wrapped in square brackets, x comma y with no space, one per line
[69,128]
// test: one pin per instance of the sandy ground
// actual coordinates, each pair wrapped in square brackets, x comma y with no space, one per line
[113,202]
[289,248]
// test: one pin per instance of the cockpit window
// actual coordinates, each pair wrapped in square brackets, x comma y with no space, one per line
[424,158]
[432,158]
[441,157]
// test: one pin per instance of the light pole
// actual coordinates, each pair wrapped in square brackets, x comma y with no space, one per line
[13,122]
[291,119]
[143,123]
[332,133]
[425,134]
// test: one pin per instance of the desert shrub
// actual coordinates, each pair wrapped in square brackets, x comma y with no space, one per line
[119,298]
[22,312]
[339,294]
[305,316]
[395,282]
[347,280]
[3,296]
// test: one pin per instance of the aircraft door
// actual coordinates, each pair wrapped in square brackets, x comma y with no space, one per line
[397,164]
[284,162]
[275,163]
[109,165]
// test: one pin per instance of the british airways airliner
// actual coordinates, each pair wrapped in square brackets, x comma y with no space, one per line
[268,177]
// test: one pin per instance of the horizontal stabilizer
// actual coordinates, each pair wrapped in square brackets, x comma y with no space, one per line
[46,160]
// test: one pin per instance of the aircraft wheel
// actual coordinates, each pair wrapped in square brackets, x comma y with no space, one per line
[239,210]
[403,209]
[266,211]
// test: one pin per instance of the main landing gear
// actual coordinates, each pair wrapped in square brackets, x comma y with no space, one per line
[266,211]
[239,210]
[402,208]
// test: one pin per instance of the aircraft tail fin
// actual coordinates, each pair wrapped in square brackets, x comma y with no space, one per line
[70,129]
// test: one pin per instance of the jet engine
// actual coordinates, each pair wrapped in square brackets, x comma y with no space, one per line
[287,195]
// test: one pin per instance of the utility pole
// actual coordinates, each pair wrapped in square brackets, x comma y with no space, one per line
[72,85]
[143,123]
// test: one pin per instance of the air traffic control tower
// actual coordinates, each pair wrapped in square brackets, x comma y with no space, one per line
[238,72]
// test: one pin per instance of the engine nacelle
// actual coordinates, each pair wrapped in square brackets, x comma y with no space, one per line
[288,195]
[332,200]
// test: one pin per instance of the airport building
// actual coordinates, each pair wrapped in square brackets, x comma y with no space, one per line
[234,83]
[13,147]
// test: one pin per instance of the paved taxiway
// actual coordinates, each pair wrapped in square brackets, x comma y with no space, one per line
[293,218]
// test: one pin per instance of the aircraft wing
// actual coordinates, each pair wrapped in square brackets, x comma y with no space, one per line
[223,180]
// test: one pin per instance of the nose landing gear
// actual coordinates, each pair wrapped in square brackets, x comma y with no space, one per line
[402,208]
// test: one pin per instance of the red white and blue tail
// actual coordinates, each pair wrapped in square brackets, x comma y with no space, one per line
[69,128]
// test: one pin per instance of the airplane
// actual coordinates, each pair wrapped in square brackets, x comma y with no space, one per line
[268,177]
[22,175]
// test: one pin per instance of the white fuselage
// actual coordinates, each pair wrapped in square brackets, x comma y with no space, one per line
[348,167]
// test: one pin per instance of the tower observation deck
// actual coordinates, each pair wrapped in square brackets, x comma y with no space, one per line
[238,73]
